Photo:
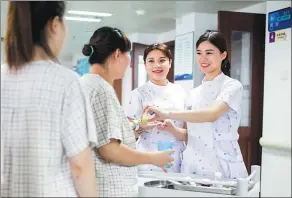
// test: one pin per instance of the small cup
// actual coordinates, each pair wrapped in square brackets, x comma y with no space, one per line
[165,145]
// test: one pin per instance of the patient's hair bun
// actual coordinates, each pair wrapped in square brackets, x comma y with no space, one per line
[87,50]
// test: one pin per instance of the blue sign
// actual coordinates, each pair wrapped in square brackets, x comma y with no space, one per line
[280,19]
[183,77]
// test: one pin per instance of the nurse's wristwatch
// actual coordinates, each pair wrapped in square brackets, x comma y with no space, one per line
[136,125]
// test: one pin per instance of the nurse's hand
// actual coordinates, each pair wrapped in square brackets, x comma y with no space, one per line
[159,113]
[162,158]
[168,126]
[148,125]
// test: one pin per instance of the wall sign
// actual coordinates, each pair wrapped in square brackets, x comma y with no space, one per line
[184,60]
[280,35]
[184,57]
[279,19]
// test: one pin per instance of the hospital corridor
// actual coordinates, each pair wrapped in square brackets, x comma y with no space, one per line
[146,98]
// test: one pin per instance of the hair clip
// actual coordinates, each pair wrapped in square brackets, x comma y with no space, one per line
[118,32]
[92,50]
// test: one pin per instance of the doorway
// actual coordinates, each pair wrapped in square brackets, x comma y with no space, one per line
[170,75]
[245,35]
[137,52]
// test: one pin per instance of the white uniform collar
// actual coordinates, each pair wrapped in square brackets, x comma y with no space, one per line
[216,79]
[159,86]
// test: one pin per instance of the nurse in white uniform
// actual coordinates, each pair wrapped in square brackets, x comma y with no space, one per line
[214,114]
[160,92]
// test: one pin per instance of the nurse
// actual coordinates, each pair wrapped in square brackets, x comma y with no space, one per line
[160,92]
[214,115]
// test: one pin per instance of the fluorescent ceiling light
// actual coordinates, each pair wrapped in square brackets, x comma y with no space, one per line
[79,12]
[140,12]
[82,19]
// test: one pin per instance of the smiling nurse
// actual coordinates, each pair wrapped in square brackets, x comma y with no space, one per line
[214,117]
[160,92]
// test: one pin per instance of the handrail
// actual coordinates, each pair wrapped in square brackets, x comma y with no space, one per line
[280,145]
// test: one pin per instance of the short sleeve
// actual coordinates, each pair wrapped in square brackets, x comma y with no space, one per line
[78,129]
[107,115]
[231,93]
[185,97]
[190,97]
[134,107]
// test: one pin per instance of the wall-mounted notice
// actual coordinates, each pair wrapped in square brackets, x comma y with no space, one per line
[184,60]
[280,35]
[279,19]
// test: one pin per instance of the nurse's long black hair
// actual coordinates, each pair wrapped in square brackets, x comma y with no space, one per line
[218,40]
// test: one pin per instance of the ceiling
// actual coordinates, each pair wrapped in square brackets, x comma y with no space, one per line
[160,15]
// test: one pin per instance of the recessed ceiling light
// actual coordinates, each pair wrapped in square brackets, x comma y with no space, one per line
[82,19]
[140,12]
[79,12]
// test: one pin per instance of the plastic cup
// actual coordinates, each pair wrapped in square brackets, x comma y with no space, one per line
[164,146]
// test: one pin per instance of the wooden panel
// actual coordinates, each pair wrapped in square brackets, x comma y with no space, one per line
[255,25]
[118,89]
[244,143]
[137,49]
[170,75]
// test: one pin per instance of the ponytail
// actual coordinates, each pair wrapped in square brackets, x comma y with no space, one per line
[18,37]
[225,66]
[26,28]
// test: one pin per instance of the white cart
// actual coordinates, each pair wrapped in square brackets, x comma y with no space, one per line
[159,184]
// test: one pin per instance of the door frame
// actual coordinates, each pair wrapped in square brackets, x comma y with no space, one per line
[136,51]
[171,46]
[256,25]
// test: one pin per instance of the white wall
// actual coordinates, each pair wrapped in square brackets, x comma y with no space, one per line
[276,140]
[259,8]
[144,38]
[147,39]
[210,23]
[166,36]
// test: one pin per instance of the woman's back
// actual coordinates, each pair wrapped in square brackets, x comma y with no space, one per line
[36,105]
[47,123]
